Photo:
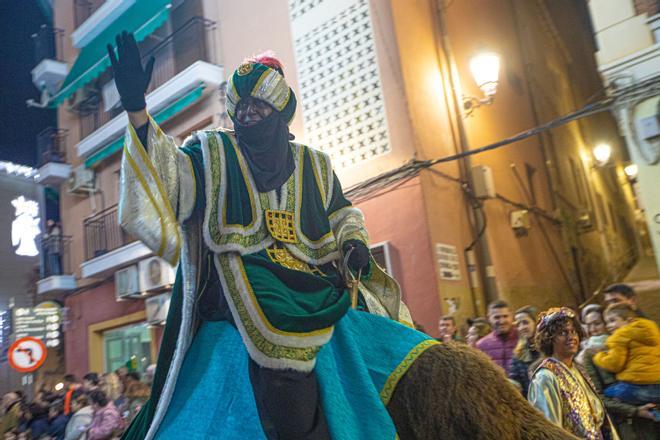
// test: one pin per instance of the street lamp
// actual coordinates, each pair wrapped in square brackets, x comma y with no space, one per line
[602,153]
[485,68]
[631,171]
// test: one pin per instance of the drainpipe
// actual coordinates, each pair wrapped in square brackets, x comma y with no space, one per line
[478,253]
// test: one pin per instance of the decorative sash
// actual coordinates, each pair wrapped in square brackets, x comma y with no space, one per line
[578,414]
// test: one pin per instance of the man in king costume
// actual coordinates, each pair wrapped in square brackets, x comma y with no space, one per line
[263,339]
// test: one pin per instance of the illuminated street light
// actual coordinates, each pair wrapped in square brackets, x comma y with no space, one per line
[59,386]
[631,171]
[485,69]
[602,153]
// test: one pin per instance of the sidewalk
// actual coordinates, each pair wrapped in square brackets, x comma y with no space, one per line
[644,278]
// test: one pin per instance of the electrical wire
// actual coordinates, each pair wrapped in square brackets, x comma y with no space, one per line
[618,97]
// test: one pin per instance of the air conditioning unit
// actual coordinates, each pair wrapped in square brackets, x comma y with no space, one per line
[585,221]
[126,283]
[382,253]
[157,308]
[156,275]
[82,180]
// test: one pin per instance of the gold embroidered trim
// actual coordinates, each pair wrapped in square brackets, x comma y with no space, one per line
[402,368]
[280,225]
[284,258]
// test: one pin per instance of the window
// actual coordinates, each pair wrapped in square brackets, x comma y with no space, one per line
[124,344]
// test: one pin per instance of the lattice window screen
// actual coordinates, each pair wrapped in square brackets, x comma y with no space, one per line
[342,101]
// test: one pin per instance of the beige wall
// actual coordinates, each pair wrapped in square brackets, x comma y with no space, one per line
[619,31]
[539,81]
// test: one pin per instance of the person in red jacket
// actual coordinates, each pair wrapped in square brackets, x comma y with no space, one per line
[499,343]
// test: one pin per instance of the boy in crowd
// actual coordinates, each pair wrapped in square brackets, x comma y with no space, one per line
[633,354]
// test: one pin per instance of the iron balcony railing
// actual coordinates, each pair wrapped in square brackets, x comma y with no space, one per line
[191,42]
[51,146]
[55,255]
[103,233]
[83,9]
[47,43]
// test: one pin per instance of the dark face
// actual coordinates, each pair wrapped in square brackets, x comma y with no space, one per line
[566,342]
[250,111]
[501,320]
[617,298]
[594,324]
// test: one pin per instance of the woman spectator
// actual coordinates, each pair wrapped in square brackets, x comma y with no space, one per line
[558,388]
[594,327]
[106,422]
[479,327]
[632,422]
[137,394]
[81,418]
[525,354]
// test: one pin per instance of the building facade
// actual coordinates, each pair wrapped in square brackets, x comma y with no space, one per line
[381,88]
[628,37]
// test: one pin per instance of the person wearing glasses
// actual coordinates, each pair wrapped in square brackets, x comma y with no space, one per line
[559,389]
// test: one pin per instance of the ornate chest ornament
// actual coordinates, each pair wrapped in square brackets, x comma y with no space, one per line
[280,225]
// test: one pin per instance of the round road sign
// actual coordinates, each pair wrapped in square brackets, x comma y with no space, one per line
[27,354]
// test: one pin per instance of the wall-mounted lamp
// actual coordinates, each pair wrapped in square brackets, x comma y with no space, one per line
[602,153]
[485,69]
[631,171]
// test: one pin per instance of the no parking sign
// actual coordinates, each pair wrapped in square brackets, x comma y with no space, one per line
[27,354]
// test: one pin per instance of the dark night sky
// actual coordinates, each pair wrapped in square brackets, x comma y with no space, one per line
[19,125]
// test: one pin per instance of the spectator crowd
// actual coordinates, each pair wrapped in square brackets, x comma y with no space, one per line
[595,373]
[605,359]
[99,407]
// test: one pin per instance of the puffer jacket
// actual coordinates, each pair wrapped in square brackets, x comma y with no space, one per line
[106,422]
[499,348]
[633,353]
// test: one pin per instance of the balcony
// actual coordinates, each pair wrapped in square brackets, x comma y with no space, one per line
[51,157]
[94,16]
[50,69]
[184,67]
[107,246]
[56,274]
[84,9]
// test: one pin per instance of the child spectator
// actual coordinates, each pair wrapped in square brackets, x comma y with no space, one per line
[633,354]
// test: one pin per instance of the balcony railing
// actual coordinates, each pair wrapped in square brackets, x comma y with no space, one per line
[47,43]
[90,122]
[648,7]
[51,146]
[178,50]
[55,255]
[83,9]
[103,233]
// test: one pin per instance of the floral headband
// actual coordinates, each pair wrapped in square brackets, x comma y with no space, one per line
[553,314]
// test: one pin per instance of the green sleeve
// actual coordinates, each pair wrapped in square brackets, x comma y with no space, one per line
[338,200]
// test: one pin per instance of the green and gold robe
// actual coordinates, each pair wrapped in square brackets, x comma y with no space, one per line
[273,252]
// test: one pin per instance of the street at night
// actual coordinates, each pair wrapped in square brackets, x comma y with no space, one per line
[330,219]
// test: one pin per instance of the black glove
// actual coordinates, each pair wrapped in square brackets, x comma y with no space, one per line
[131,78]
[359,258]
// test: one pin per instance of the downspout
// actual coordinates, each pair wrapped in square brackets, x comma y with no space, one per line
[477,254]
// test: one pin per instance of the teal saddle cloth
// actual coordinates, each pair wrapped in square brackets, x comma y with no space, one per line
[213,397]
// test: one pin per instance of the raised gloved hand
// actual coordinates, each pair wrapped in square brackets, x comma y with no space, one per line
[359,258]
[131,78]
